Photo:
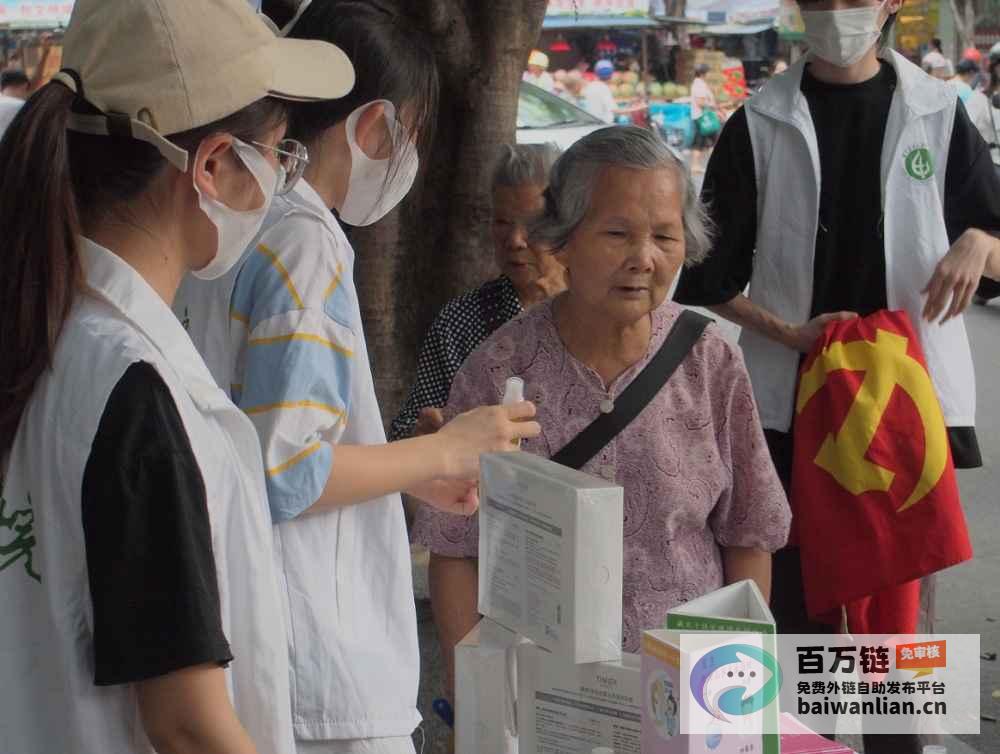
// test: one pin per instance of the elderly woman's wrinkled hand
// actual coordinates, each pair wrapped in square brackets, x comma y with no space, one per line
[552,283]
[430,421]
[492,429]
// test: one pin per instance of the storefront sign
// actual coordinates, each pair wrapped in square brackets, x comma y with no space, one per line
[598,8]
[24,13]
[732,11]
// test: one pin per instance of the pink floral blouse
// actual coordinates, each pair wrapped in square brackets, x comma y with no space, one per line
[694,464]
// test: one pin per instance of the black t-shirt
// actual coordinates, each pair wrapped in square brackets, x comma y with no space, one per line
[849,268]
[148,540]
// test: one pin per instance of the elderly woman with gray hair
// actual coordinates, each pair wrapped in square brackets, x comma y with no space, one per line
[527,277]
[703,504]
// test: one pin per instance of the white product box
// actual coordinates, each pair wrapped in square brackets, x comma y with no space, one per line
[571,709]
[550,555]
[486,690]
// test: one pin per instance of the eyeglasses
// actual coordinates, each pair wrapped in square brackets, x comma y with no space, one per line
[293,157]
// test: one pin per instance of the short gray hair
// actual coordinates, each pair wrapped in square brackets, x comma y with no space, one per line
[575,174]
[524,165]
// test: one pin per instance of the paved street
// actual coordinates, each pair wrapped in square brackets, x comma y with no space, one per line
[968,596]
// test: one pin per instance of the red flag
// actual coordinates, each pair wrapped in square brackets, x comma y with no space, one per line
[874,495]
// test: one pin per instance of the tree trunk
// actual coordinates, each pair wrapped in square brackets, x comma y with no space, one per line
[965,22]
[439,244]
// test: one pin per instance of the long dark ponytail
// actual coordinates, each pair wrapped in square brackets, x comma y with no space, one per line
[39,269]
[54,184]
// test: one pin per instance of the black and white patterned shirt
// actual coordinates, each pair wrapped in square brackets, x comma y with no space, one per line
[464,323]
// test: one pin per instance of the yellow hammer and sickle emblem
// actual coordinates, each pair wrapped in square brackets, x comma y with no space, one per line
[886,365]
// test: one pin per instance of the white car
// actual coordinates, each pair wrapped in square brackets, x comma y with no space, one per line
[543,117]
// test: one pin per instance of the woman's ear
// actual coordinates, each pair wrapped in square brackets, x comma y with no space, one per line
[372,133]
[210,165]
[559,252]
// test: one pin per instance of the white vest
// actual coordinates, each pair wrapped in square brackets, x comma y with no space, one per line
[786,157]
[50,703]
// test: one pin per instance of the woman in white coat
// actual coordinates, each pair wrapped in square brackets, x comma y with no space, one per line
[135,547]
[285,333]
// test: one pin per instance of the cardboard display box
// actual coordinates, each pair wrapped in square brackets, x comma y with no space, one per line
[738,608]
[550,555]
[486,690]
[662,699]
[573,709]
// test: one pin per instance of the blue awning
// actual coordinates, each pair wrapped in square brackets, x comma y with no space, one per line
[726,30]
[680,21]
[568,23]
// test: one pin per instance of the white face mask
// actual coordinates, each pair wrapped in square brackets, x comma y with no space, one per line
[842,37]
[237,228]
[370,196]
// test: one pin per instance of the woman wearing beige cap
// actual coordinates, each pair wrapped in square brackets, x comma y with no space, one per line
[135,545]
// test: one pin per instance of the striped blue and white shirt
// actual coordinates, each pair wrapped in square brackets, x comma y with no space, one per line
[295,331]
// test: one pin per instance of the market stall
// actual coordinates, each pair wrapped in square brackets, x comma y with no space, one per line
[592,30]
[639,37]
[578,34]
[745,31]
[27,29]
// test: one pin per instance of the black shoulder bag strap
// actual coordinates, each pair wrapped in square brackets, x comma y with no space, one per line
[685,333]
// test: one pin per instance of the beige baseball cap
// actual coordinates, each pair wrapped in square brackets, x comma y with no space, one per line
[158,67]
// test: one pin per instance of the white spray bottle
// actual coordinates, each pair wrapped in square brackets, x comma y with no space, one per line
[513,393]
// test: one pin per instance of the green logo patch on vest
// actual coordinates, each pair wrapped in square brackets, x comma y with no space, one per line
[17,536]
[919,164]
